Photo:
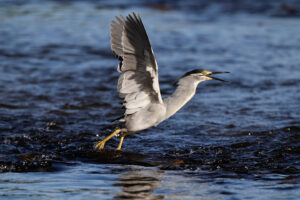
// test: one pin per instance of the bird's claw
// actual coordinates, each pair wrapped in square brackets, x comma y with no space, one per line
[100,145]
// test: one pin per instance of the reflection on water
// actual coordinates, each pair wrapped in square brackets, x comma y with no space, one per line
[139,183]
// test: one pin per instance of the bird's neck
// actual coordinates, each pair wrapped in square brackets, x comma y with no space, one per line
[183,93]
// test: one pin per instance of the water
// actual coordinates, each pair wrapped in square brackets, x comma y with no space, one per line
[134,182]
[238,140]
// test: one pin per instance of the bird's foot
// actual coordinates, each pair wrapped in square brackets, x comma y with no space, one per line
[100,145]
[121,141]
[119,147]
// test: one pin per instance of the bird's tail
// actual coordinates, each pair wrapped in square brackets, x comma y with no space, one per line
[119,119]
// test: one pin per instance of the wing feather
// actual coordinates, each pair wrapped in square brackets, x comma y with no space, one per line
[138,84]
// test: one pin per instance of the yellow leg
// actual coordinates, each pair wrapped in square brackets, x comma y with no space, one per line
[121,141]
[100,144]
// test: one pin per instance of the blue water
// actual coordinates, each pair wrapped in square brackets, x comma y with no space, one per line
[122,182]
[238,140]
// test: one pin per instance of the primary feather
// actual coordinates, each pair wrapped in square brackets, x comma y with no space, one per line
[138,83]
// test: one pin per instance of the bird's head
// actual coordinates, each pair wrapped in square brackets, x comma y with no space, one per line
[199,75]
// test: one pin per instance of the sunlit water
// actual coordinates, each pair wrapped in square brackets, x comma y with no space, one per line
[126,182]
[238,140]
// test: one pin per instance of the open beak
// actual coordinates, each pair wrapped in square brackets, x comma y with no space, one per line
[214,78]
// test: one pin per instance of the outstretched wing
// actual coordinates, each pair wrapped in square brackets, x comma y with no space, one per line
[138,84]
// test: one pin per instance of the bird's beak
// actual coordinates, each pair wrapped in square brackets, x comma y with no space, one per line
[209,73]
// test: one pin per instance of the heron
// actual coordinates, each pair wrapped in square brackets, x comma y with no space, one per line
[138,83]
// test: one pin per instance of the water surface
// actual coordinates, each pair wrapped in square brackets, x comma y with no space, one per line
[238,140]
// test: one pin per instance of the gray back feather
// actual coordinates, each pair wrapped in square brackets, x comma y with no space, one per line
[138,83]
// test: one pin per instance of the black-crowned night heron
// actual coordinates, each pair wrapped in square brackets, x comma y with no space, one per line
[138,83]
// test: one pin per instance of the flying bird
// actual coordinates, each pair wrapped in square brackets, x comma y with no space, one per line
[138,83]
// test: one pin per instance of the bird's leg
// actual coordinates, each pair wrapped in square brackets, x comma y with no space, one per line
[121,141]
[100,144]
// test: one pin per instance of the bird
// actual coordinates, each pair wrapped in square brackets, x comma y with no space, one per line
[138,83]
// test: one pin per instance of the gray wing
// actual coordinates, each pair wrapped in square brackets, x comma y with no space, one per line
[138,84]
